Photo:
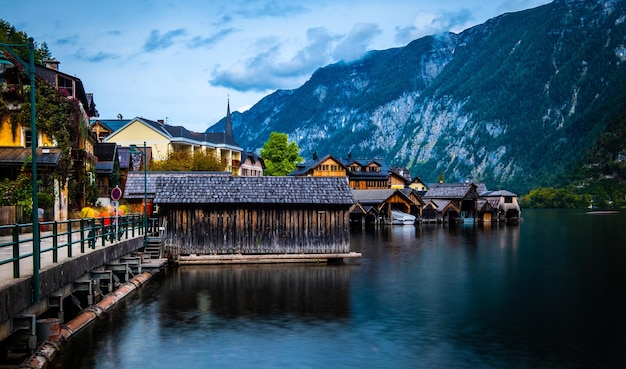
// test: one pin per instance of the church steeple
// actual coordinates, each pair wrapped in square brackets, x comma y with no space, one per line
[228,129]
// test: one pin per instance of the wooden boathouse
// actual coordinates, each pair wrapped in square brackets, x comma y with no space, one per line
[209,217]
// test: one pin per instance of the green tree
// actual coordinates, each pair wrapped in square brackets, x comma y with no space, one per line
[184,162]
[280,155]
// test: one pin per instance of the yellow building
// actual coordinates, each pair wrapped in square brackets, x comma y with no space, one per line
[328,166]
[67,161]
[164,139]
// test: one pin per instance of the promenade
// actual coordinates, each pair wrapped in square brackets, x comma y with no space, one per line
[69,250]
[68,247]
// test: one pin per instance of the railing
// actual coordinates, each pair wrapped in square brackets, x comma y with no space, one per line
[57,236]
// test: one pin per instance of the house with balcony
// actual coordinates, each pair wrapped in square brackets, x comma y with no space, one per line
[362,174]
[163,139]
[64,149]
[327,166]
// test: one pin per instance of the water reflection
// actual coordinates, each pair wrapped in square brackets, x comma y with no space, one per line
[548,293]
[256,291]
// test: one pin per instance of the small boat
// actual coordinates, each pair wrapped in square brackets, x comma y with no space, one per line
[602,212]
[401,218]
[467,218]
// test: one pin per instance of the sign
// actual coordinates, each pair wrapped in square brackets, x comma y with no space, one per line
[116,193]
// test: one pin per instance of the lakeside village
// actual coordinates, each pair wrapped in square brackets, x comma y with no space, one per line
[105,153]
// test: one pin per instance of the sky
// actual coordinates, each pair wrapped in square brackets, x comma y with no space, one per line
[183,60]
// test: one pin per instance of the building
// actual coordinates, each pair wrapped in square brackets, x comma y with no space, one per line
[504,203]
[327,166]
[252,165]
[65,150]
[458,200]
[164,139]
[383,203]
[102,128]
[140,184]
[362,174]
[217,215]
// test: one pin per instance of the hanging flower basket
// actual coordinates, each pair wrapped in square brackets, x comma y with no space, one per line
[14,105]
[12,95]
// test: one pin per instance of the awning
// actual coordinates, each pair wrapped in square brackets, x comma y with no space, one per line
[17,156]
[104,167]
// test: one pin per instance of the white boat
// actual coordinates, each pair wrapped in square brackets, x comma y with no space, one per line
[402,218]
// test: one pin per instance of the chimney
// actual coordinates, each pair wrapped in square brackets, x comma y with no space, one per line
[350,155]
[314,155]
[52,64]
[161,121]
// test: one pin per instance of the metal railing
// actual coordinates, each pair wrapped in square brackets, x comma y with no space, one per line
[64,236]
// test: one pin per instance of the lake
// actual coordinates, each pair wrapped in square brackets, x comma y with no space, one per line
[547,293]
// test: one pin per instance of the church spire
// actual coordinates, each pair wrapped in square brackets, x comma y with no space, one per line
[228,129]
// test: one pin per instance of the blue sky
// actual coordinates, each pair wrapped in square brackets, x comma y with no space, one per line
[181,60]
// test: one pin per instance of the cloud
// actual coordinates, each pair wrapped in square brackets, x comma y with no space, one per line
[272,9]
[426,24]
[265,71]
[97,58]
[314,55]
[357,43]
[156,41]
[70,40]
[199,41]
[258,74]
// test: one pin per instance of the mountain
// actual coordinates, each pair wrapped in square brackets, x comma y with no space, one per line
[516,102]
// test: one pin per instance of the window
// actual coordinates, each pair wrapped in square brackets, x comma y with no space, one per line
[508,199]
[67,85]
[28,138]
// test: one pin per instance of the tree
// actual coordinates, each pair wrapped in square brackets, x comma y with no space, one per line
[185,161]
[280,156]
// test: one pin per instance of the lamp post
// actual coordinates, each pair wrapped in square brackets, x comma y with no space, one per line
[30,68]
[144,155]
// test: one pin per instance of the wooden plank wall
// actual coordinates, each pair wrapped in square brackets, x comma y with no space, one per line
[210,230]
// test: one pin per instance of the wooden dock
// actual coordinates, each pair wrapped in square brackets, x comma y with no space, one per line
[265,258]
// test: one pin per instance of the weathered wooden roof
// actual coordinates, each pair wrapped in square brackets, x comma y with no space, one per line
[484,205]
[498,193]
[135,182]
[443,205]
[449,190]
[258,190]
[373,196]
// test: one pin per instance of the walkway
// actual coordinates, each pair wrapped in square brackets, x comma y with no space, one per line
[60,241]
[47,257]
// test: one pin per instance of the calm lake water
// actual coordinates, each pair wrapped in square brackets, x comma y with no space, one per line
[548,293]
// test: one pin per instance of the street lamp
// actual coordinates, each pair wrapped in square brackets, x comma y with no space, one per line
[30,69]
[133,150]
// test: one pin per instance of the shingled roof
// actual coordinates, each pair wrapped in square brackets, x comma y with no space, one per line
[136,184]
[449,190]
[256,190]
